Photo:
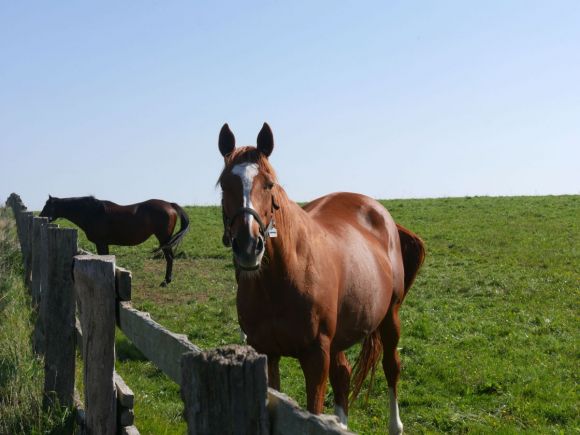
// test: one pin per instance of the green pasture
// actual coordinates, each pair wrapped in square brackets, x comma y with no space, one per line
[489,330]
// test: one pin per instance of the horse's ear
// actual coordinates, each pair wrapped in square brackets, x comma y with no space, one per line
[227,140]
[265,140]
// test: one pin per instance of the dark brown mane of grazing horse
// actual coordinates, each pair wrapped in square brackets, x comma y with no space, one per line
[106,223]
[313,281]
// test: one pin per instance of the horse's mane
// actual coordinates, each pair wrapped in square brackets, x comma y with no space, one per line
[82,203]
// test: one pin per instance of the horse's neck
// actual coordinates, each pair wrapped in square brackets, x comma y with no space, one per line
[76,214]
[293,226]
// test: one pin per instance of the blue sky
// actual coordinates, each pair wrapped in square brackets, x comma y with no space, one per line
[394,99]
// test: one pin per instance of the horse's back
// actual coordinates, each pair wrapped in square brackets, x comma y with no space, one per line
[338,211]
[132,224]
[155,209]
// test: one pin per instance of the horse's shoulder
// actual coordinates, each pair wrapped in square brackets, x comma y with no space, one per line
[104,206]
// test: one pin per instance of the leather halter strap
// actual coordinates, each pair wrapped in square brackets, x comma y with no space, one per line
[264,229]
[247,210]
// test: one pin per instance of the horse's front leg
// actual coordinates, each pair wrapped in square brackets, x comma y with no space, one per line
[274,372]
[315,364]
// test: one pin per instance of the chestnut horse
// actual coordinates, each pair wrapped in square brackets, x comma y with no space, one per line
[106,223]
[314,281]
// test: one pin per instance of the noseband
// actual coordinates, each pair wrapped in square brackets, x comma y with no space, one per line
[265,230]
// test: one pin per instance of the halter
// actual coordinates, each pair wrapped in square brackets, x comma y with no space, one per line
[265,230]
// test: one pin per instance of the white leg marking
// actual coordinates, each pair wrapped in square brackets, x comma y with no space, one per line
[339,412]
[395,423]
[246,171]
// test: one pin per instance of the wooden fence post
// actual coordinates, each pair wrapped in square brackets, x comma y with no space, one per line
[15,202]
[18,208]
[26,225]
[42,275]
[35,289]
[224,391]
[95,286]
[58,315]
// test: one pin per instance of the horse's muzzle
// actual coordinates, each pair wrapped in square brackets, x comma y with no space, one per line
[248,251]
[50,218]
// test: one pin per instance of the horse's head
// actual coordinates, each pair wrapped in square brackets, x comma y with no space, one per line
[248,184]
[49,210]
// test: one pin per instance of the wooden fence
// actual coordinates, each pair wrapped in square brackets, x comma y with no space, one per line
[224,390]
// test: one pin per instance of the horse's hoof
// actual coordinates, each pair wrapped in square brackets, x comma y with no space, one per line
[163,284]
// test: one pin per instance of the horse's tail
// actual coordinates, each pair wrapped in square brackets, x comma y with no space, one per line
[371,351]
[177,237]
[413,252]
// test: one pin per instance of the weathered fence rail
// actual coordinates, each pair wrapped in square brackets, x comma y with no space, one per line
[224,390]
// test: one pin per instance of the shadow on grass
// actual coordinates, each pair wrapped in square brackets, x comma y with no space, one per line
[7,372]
[126,350]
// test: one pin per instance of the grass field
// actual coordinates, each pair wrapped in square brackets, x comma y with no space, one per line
[21,373]
[489,330]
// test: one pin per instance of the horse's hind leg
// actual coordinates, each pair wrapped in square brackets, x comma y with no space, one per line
[340,380]
[168,253]
[390,332]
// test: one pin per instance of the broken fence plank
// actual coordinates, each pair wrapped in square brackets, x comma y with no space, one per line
[287,418]
[125,395]
[123,283]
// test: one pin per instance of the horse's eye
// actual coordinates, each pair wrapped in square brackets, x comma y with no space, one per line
[269,185]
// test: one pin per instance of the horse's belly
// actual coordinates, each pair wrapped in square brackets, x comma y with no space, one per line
[365,299]
[127,235]
[128,239]
[357,319]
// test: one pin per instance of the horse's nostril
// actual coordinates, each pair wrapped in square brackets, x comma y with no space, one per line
[235,246]
[259,245]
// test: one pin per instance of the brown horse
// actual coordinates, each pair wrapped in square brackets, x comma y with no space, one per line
[314,281]
[106,223]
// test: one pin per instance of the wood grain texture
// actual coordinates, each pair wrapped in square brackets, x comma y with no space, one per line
[161,346]
[224,391]
[95,286]
[287,418]
[123,283]
[58,306]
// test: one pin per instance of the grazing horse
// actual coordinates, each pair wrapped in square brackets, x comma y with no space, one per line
[315,280]
[106,223]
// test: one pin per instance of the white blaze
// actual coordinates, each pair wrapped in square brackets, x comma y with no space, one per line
[247,172]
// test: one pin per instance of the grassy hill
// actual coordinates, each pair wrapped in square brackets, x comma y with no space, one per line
[489,330]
